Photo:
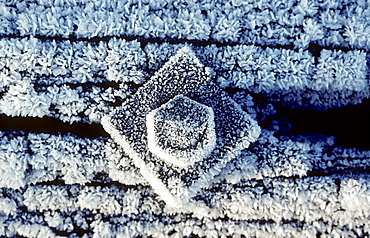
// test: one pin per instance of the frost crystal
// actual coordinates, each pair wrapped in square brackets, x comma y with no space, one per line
[181,131]
[128,125]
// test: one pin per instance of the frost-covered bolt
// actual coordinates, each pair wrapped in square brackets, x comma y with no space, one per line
[181,131]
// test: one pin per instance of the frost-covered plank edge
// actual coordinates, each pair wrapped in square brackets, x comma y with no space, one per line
[221,228]
[339,78]
[39,158]
[308,200]
[52,62]
[297,23]
[78,161]
[182,226]
[275,199]
[48,62]
[108,200]
[25,229]
[64,102]
[286,157]
[279,212]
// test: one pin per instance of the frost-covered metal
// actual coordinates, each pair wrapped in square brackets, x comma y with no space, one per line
[182,75]
[181,132]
